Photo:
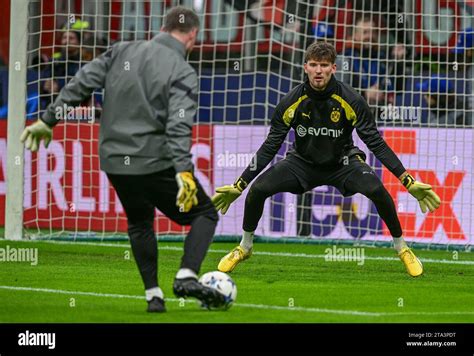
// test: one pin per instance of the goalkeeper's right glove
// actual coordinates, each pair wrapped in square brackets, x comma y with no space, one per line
[33,135]
[227,194]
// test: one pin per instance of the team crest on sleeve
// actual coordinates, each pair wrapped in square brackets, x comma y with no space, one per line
[335,115]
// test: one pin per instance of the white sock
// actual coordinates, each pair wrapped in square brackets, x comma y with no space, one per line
[186,273]
[247,241]
[399,243]
[153,292]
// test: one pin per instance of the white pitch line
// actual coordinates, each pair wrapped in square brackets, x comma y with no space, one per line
[262,253]
[58,291]
[433,313]
[312,310]
[242,305]
[125,296]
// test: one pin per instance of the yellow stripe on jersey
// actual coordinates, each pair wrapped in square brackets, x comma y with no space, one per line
[290,112]
[350,113]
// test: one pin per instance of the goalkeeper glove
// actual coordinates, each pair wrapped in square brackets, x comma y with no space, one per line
[33,134]
[227,194]
[186,197]
[426,197]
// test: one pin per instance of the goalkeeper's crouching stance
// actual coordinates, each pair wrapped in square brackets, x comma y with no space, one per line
[323,112]
[144,146]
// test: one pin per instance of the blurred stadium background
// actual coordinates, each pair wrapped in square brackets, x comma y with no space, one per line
[411,59]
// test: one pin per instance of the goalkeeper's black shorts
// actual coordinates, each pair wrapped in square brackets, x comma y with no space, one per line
[310,176]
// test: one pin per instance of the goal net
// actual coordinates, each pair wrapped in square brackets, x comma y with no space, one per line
[411,60]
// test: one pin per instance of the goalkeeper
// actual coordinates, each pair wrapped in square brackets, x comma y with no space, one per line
[323,112]
[144,146]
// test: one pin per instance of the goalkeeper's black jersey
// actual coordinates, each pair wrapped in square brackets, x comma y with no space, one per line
[323,124]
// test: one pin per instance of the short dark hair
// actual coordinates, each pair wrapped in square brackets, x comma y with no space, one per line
[181,19]
[319,51]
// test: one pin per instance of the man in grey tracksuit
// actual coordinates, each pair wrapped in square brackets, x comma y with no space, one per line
[144,145]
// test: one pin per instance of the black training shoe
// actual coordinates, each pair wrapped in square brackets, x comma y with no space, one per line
[190,287]
[156,305]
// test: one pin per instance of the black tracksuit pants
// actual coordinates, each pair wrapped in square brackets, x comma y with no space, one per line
[140,195]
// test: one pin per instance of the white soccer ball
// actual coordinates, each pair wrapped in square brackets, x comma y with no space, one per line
[223,284]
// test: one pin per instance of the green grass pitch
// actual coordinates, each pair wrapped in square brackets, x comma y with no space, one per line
[280,283]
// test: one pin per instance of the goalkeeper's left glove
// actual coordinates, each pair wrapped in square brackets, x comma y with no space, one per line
[227,194]
[186,197]
[33,135]
[425,195]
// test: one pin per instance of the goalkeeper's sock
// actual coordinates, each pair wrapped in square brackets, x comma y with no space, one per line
[186,273]
[247,241]
[153,292]
[399,243]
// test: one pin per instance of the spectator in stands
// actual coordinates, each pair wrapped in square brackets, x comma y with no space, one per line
[63,66]
[65,63]
[400,66]
[446,108]
[365,63]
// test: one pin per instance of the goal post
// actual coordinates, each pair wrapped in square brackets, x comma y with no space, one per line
[411,60]
[16,98]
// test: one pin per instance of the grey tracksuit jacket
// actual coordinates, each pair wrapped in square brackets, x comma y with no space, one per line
[149,105]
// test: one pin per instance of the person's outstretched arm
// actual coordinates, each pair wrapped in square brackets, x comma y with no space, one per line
[227,194]
[87,79]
